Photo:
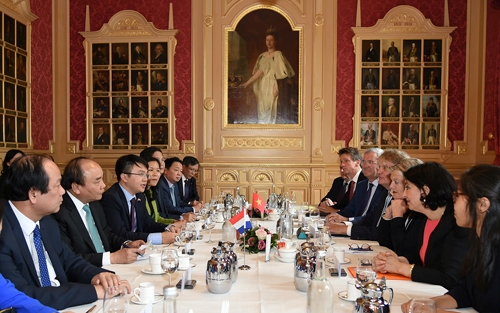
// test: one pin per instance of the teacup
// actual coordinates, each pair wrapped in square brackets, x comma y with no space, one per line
[287,253]
[145,292]
[287,243]
[339,254]
[155,262]
[183,261]
[274,216]
[352,292]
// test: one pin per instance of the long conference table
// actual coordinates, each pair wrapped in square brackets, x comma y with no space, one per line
[268,287]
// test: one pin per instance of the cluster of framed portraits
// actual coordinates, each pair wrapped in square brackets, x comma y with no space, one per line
[130,95]
[13,83]
[401,98]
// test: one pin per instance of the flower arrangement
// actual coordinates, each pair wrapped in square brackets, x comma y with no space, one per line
[256,239]
[255,212]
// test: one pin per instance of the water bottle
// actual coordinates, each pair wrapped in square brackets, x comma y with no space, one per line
[320,291]
[169,302]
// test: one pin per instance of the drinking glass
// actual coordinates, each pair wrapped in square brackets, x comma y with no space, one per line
[169,262]
[364,272]
[115,300]
[324,240]
[210,224]
[422,306]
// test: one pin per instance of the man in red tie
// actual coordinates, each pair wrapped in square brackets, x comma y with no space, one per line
[343,187]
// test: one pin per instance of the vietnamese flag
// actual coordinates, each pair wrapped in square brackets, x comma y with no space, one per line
[258,202]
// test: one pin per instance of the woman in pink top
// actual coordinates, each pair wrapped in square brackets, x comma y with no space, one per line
[442,244]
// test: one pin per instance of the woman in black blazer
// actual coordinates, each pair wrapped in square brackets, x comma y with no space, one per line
[442,245]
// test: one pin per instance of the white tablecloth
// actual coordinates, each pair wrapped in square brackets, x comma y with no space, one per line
[265,288]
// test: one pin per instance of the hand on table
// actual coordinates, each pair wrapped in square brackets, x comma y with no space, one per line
[336,218]
[389,262]
[168,237]
[136,243]
[125,256]
[100,289]
[337,228]
[189,217]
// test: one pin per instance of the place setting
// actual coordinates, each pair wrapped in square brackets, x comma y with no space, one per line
[154,267]
[145,293]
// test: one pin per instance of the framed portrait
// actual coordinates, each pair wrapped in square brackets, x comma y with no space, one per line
[431,106]
[412,51]
[390,78]
[140,81]
[140,107]
[432,79]
[100,81]
[411,134]
[21,98]
[140,134]
[411,78]
[411,107]
[370,107]
[21,35]
[120,80]
[21,67]
[101,134]
[390,107]
[9,62]
[159,134]
[120,53]
[372,50]
[159,107]
[430,134]
[9,29]
[100,54]
[262,77]
[10,128]
[159,80]
[21,130]
[121,134]
[432,50]
[391,50]
[121,107]
[9,96]
[369,134]
[139,53]
[371,78]
[158,53]
[390,134]
[101,107]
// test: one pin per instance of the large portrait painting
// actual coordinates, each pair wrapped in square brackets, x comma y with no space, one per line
[262,77]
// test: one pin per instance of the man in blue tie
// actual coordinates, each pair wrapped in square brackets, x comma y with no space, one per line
[81,218]
[32,253]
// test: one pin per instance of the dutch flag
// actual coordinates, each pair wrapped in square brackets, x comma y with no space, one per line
[241,221]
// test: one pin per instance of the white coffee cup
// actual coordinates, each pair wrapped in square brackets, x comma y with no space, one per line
[339,254]
[287,253]
[183,261]
[289,244]
[352,292]
[145,292]
[155,262]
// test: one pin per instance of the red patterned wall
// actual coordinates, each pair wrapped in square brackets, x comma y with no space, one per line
[155,12]
[370,14]
[492,76]
[41,75]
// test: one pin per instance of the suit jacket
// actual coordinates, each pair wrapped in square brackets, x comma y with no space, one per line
[13,298]
[355,209]
[73,272]
[399,237]
[166,207]
[193,192]
[337,185]
[118,218]
[366,228]
[74,233]
[445,253]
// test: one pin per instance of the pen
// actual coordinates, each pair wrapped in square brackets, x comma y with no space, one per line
[91,309]
[126,246]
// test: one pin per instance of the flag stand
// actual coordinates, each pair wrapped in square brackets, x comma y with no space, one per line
[244,267]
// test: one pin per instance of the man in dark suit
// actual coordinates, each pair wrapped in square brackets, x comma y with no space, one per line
[125,204]
[343,187]
[368,191]
[81,218]
[32,191]
[187,184]
[102,138]
[170,204]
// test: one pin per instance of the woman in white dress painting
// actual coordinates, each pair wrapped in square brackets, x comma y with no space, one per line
[269,68]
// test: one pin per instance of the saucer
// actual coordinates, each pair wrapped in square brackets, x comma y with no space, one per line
[343,296]
[147,270]
[185,268]
[277,256]
[158,297]
[332,260]
[179,244]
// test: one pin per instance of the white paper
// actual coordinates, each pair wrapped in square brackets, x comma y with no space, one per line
[188,272]
[183,281]
[268,246]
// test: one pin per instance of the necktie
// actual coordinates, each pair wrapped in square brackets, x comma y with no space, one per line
[132,214]
[94,234]
[342,192]
[42,261]
[186,190]
[366,198]
[351,189]
[172,195]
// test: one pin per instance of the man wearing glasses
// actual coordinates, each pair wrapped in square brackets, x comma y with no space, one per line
[187,184]
[124,204]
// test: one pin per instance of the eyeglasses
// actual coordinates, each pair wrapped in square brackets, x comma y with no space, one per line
[363,247]
[457,194]
[142,175]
